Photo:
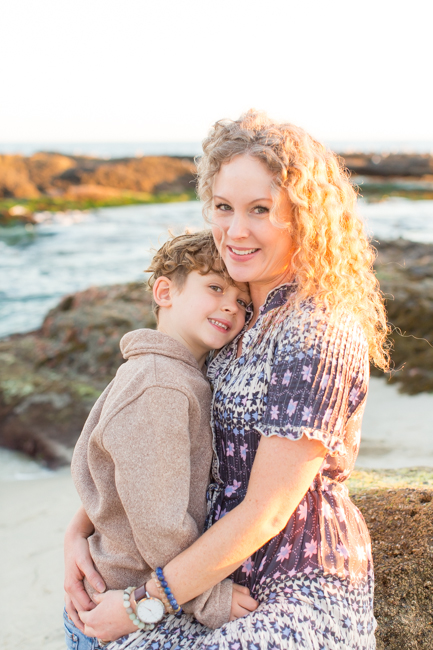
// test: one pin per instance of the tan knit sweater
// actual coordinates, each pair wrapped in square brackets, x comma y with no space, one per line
[141,467]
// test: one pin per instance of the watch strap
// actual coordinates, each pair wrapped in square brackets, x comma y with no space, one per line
[140,593]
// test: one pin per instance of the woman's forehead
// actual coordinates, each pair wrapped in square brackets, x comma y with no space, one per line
[244,174]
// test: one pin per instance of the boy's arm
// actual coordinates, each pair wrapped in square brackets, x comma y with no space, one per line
[149,442]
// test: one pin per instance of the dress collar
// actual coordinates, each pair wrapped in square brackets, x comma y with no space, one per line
[277,297]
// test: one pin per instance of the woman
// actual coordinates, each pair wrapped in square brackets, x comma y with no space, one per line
[289,394]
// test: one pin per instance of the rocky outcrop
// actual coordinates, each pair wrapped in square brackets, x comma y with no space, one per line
[400,522]
[54,174]
[49,379]
[26,178]
[405,272]
[390,165]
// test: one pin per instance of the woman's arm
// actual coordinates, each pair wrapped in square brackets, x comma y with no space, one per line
[78,563]
[282,472]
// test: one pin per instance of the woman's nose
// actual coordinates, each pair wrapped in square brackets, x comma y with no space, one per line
[238,227]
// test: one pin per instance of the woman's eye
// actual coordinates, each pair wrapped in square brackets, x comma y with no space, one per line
[224,207]
[260,209]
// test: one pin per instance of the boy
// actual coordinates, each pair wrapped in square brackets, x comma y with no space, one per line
[142,463]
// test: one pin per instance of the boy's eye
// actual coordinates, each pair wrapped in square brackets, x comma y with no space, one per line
[224,207]
[242,303]
[215,287]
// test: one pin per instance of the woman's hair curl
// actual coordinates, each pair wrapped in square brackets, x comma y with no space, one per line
[332,259]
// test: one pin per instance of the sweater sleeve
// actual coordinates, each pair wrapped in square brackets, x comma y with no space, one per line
[149,443]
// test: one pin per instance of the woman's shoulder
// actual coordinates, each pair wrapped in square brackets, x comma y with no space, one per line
[308,323]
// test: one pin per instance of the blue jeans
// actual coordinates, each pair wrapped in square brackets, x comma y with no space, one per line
[75,638]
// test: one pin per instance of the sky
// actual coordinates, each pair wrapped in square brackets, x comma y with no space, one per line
[163,70]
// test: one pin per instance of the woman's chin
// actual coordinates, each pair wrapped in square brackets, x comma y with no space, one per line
[240,273]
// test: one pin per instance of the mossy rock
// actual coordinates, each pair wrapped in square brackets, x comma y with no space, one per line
[398,508]
[405,272]
[49,379]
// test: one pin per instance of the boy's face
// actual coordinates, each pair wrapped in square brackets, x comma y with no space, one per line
[207,311]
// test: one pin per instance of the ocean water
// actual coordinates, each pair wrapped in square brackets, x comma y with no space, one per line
[68,252]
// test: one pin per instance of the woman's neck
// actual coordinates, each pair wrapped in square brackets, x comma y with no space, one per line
[259,292]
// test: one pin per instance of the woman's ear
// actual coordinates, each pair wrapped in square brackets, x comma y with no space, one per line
[162,291]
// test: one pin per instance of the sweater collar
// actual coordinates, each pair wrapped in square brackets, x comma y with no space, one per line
[147,341]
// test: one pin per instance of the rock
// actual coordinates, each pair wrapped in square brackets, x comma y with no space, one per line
[389,165]
[44,167]
[15,179]
[153,174]
[400,521]
[49,379]
[405,272]
[52,174]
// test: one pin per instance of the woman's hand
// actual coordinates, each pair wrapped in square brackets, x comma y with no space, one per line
[78,563]
[242,603]
[108,620]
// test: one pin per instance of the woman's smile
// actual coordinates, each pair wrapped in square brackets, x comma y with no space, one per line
[242,254]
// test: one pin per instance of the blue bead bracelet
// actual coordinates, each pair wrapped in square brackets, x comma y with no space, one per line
[171,599]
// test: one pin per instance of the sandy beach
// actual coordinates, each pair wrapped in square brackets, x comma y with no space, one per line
[397,429]
[397,432]
[34,517]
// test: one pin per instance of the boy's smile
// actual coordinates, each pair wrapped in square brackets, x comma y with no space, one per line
[206,313]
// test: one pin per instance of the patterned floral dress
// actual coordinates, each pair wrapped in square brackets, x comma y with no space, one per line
[301,371]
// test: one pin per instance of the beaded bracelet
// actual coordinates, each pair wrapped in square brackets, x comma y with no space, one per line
[173,602]
[162,594]
[167,597]
[130,611]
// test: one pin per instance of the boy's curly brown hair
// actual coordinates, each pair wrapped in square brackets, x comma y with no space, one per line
[180,255]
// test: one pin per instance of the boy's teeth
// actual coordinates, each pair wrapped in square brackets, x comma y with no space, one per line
[216,322]
[238,252]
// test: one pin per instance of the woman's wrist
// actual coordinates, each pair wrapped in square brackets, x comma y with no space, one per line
[152,589]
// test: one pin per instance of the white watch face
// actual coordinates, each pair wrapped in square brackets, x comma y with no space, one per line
[150,610]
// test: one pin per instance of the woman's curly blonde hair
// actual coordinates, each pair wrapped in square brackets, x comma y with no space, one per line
[333,259]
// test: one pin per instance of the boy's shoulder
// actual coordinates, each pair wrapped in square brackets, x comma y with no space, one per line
[159,360]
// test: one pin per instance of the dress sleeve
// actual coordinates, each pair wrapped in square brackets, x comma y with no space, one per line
[318,378]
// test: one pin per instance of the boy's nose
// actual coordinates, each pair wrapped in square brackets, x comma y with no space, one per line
[229,306]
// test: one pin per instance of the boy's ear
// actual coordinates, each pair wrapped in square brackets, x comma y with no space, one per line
[162,291]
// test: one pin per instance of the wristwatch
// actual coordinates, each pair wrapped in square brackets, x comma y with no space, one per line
[148,609]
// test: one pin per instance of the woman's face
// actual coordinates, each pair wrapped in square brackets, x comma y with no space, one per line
[253,249]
